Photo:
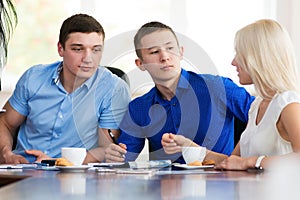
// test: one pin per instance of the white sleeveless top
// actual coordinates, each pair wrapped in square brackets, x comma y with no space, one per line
[264,138]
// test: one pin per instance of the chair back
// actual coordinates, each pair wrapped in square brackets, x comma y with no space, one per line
[120,73]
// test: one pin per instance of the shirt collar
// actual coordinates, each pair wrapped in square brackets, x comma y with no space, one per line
[183,82]
[56,73]
[87,83]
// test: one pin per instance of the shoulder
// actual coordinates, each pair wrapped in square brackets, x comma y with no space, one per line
[109,80]
[283,99]
[203,81]
[204,77]
[288,96]
[213,80]
[290,113]
[40,69]
[138,108]
[220,84]
[144,101]
[39,72]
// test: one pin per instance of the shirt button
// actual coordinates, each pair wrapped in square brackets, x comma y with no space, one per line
[174,104]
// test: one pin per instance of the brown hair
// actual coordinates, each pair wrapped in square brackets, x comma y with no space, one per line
[79,23]
[146,29]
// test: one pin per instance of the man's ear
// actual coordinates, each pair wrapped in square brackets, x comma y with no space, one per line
[139,64]
[60,49]
[181,50]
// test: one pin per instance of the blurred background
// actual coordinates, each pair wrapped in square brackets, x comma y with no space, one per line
[207,28]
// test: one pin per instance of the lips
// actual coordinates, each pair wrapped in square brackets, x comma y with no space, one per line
[166,67]
[85,68]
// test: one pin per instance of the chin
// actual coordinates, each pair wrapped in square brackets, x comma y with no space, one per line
[85,75]
[244,83]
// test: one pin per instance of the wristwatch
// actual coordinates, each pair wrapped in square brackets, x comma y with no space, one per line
[258,163]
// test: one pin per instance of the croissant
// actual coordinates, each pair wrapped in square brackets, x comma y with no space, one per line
[63,162]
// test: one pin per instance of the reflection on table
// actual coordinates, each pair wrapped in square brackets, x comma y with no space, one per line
[183,184]
[279,183]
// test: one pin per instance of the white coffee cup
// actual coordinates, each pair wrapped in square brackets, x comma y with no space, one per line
[191,154]
[74,155]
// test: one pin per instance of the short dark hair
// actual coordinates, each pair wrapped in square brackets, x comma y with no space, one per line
[146,29]
[82,23]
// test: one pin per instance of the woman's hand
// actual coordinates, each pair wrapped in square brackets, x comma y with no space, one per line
[234,162]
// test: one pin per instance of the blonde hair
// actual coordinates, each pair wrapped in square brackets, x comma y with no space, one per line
[264,50]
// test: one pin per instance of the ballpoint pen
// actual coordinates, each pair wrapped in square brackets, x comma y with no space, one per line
[114,139]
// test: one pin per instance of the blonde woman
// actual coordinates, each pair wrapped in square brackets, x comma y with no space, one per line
[264,57]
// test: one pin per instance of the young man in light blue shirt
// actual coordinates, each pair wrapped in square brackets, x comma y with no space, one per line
[71,103]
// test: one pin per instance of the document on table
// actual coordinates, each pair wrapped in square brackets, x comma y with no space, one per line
[125,170]
[136,171]
[151,164]
[10,166]
[167,172]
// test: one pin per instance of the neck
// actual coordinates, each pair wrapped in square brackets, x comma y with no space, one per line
[167,89]
[69,83]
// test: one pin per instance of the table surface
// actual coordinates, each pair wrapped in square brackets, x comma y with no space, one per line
[166,184]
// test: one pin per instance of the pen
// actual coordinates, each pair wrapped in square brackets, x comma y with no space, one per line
[112,136]
[114,139]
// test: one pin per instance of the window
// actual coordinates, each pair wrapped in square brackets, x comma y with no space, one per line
[204,25]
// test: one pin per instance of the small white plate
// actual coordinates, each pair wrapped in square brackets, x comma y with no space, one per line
[185,166]
[80,168]
[105,164]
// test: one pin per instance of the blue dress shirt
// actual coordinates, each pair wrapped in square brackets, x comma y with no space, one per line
[56,118]
[203,110]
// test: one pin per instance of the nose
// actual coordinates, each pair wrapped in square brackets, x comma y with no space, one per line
[233,62]
[164,55]
[87,57]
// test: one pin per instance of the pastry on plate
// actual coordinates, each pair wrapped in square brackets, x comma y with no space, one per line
[195,163]
[63,162]
[208,162]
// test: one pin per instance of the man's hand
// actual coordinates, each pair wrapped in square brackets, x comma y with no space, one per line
[115,153]
[173,143]
[11,158]
[38,154]
[169,144]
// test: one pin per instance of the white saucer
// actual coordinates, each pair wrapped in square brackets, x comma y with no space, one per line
[185,166]
[80,168]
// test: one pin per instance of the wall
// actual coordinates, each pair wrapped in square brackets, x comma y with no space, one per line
[288,15]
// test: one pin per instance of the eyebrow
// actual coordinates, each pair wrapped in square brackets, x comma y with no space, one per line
[153,47]
[75,44]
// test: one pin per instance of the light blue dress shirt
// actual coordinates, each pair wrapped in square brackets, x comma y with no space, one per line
[56,118]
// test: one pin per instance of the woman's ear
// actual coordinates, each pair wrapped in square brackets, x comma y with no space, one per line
[139,64]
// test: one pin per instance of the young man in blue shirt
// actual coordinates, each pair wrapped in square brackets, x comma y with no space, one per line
[69,103]
[197,106]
